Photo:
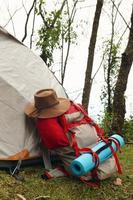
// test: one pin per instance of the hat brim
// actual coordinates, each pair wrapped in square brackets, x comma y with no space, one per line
[53,111]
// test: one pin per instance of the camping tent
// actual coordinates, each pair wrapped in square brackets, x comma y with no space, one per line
[22,73]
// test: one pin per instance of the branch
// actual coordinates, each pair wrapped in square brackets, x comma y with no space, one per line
[42,15]
[83,7]
[54,20]
[71,18]
[117,11]
[98,67]
[24,7]
[70,21]
[11,17]
[33,25]
[62,54]
[122,35]
[75,91]
[11,21]
[27,19]
[68,47]
[78,96]
[120,14]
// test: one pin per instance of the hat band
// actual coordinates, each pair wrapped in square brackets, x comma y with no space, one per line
[41,107]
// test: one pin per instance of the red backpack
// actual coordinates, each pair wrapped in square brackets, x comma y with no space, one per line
[70,135]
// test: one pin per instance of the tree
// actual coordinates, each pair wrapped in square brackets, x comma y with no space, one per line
[55,32]
[111,65]
[121,84]
[50,31]
[88,79]
[111,68]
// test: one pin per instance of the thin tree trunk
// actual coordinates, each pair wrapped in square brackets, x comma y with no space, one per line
[88,80]
[27,19]
[109,104]
[119,99]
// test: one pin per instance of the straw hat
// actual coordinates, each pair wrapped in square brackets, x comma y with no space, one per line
[46,104]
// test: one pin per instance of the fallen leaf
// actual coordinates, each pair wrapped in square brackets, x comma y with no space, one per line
[118,182]
[42,197]
[19,197]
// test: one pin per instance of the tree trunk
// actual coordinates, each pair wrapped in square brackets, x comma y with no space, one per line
[119,99]
[88,80]
[110,63]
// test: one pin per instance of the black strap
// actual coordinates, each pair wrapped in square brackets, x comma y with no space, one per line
[104,147]
[115,139]
[108,144]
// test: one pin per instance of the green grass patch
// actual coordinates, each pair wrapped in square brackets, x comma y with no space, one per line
[66,188]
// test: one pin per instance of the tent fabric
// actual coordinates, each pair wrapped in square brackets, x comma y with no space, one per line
[22,73]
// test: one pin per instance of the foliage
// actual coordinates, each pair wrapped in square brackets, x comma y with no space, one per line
[106,121]
[57,24]
[128,129]
[68,188]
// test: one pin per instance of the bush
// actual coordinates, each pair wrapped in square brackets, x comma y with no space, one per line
[128,129]
[105,123]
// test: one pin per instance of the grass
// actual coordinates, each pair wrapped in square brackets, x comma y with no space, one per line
[66,188]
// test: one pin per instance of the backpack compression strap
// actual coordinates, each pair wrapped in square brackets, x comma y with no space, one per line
[99,130]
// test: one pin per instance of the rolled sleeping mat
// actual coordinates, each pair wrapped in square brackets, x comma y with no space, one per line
[85,163]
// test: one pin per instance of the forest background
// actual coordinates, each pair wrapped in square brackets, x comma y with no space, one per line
[85,33]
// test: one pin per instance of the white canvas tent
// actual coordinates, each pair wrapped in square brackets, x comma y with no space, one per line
[22,73]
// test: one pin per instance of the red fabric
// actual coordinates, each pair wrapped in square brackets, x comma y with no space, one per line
[51,133]
[75,145]
[115,156]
